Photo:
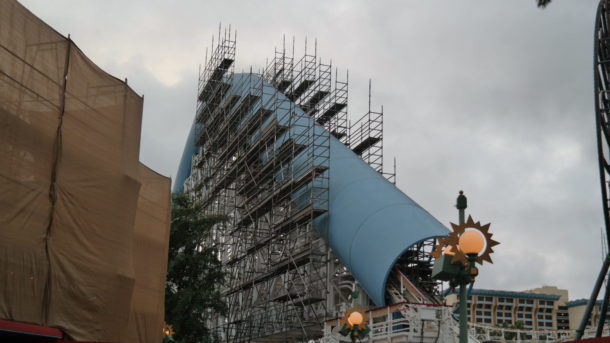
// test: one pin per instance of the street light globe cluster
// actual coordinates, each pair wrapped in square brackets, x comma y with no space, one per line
[355,324]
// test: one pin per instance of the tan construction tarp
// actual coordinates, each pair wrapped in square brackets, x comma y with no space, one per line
[150,257]
[74,198]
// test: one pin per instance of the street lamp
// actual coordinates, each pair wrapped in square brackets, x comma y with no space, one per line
[354,324]
[456,257]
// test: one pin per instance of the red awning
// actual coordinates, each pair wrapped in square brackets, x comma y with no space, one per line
[30,329]
[593,340]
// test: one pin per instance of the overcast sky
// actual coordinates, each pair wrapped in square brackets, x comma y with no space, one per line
[493,97]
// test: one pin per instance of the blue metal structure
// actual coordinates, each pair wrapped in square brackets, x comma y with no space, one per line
[601,82]
[370,223]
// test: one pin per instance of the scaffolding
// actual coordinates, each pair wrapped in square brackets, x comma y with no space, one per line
[366,140]
[262,161]
[416,264]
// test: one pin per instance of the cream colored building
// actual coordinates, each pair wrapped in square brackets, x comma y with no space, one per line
[562,311]
[537,309]
[576,309]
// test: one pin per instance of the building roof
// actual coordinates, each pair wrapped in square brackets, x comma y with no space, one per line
[512,294]
[580,302]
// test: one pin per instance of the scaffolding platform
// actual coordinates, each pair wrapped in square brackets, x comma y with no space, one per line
[330,113]
[300,90]
[367,143]
[264,205]
[301,217]
[314,100]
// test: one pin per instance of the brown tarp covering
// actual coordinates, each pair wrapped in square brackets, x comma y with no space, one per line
[83,225]
[150,257]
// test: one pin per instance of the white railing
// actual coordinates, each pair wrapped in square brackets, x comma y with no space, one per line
[405,322]
[499,334]
[427,323]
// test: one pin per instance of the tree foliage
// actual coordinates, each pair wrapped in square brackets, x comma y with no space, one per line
[543,3]
[512,335]
[194,272]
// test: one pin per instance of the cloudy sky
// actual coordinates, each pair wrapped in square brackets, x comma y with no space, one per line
[493,97]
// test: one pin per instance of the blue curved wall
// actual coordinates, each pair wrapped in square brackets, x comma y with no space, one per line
[370,222]
[190,149]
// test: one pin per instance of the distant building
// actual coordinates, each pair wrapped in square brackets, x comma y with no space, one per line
[562,319]
[576,310]
[537,309]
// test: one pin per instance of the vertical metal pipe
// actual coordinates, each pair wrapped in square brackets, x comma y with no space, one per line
[463,314]
[603,310]
[462,220]
[461,206]
[330,292]
[598,284]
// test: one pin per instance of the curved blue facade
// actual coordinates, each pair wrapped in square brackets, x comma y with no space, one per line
[370,222]
[184,169]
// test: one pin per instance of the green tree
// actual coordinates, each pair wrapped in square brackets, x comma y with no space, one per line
[510,335]
[507,334]
[194,272]
[519,326]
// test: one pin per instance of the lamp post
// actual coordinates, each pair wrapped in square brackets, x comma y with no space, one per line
[471,243]
[456,257]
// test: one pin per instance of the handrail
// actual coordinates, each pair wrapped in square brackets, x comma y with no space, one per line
[412,288]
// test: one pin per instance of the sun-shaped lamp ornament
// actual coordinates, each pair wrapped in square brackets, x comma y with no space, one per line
[355,324]
[168,332]
[468,244]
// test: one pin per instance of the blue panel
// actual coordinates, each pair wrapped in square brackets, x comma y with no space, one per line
[370,221]
[190,149]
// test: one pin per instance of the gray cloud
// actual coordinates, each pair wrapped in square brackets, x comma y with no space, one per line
[491,97]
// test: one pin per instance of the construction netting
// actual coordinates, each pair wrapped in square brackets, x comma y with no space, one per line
[83,225]
[150,257]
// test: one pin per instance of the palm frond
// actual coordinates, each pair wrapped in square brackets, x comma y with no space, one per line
[543,3]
